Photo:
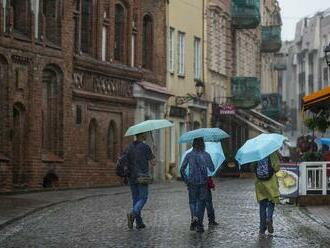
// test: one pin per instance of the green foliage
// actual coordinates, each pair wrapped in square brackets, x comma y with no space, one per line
[319,123]
[312,156]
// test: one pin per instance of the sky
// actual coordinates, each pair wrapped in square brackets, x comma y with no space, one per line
[293,10]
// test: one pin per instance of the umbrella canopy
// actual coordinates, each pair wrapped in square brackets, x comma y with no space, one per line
[324,141]
[216,153]
[259,147]
[208,134]
[148,125]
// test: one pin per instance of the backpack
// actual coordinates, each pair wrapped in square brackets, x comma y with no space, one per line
[264,170]
[123,165]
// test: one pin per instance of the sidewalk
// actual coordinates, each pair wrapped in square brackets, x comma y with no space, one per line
[16,206]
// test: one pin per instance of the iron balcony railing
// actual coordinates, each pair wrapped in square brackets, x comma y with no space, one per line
[245,14]
[271,38]
[245,92]
[271,105]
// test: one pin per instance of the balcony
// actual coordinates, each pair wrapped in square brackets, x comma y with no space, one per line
[245,92]
[280,67]
[245,14]
[271,39]
[271,105]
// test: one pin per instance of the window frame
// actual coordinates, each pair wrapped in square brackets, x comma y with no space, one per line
[181,53]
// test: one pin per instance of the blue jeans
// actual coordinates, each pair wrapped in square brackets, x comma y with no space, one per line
[266,214]
[139,197]
[198,195]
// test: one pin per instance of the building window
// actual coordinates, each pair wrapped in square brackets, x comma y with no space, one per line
[86,26]
[52,13]
[3,102]
[104,43]
[4,9]
[92,139]
[112,141]
[133,50]
[52,111]
[181,53]
[120,33]
[197,58]
[78,115]
[325,76]
[21,16]
[147,42]
[171,56]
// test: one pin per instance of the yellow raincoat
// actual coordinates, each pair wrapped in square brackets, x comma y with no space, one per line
[269,189]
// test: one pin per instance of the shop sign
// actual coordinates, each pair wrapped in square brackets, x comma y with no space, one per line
[288,179]
[227,110]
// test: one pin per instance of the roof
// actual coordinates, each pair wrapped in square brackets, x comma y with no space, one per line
[154,87]
[317,100]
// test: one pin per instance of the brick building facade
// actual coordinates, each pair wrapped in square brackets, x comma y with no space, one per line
[68,71]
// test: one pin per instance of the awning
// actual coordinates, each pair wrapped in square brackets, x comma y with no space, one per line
[317,100]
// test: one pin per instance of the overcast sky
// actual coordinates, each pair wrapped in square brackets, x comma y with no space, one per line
[293,10]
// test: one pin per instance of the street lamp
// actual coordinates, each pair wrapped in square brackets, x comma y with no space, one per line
[200,90]
[327,54]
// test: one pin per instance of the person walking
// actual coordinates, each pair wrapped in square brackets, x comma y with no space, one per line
[199,162]
[139,155]
[267,190]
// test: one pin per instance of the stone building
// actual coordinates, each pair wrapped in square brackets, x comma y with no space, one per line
[72,73]
[306,71]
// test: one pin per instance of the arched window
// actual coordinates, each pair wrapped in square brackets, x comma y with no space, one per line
[52,128]
[3,102]
[52,13]
[112,141]
[147,42]
[120,32]
[21,16]
[86,26]
[92,139]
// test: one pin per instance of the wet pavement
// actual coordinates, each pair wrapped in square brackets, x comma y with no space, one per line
[99,220]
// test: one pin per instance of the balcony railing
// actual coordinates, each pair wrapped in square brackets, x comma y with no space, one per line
[271,38]
[245,92]
[314,178]
[280,67]
[245,14]
[271,105]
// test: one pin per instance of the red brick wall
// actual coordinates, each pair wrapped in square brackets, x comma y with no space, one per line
[26,60]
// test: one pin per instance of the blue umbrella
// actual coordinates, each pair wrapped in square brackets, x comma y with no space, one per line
[324,141]
[208,134]
[147,126]
[216,153]
[259,147]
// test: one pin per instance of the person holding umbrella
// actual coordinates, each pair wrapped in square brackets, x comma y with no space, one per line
[139,156]
[261,152]
[199,162]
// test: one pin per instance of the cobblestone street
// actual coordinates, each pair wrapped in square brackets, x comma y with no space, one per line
[100,221]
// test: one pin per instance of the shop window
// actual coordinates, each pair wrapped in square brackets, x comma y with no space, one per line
[147,42]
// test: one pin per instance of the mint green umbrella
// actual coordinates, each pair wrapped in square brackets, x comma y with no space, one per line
[147,126]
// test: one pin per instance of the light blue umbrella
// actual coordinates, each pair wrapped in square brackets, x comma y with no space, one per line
[216,153]
[259,147]
[208,134]
[324,141]
[147,126]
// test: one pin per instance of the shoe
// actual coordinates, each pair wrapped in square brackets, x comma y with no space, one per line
[193,224]
[213,223]
[130,220]
[200,229]
[270,227]
[141,226]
